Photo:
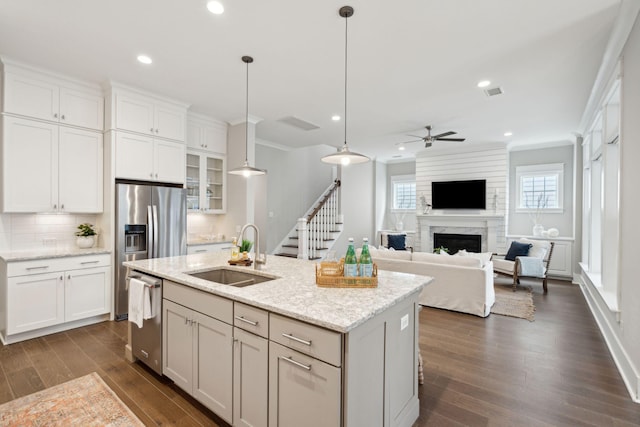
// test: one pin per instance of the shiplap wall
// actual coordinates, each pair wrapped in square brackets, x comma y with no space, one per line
[489,162]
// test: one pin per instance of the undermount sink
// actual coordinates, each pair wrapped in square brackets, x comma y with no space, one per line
[230,277]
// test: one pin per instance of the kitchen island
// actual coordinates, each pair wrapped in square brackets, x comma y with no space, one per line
[286,351]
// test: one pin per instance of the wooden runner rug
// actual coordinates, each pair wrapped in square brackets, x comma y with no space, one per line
[84,401]
[515,304]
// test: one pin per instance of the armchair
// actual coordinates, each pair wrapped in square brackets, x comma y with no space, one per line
[534,264]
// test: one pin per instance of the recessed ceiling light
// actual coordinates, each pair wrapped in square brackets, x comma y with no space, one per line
[144,59]
[401,147]
[484,83]
[335,118]
[215,7]
[508,133]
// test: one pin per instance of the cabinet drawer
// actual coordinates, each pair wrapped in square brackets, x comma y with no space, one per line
[47,265]
[251,319]
[203,302]
[309,339]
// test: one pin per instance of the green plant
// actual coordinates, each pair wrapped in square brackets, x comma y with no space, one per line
[441,249]
[246,245]
[86,229]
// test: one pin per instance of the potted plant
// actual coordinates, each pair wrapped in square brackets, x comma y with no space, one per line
[86,236]
[245,247]
[441,249]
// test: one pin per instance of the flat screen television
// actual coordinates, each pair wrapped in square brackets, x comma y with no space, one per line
[470,194]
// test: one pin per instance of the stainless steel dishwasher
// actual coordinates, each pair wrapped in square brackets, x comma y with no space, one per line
[146,342]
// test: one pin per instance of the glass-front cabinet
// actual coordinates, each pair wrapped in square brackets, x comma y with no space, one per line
[206,182]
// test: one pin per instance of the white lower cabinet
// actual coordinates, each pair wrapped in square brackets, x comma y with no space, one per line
[34,302]
[53,293]
[87,292]
[303,391]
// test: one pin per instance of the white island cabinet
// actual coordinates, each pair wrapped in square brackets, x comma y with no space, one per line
[298,354]
[40,295]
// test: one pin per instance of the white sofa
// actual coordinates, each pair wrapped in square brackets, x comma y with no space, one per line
[460,283]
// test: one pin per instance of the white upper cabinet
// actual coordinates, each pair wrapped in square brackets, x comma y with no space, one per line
[40,96]
[206,134]
[136,112]
[149,159]
[50,168]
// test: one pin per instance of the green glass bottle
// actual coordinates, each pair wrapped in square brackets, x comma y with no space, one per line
[350,261]
[366,264]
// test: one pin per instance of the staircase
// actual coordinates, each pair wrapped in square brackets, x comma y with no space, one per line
[315,233]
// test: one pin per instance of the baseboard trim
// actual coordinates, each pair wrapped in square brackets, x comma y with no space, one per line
[603,317]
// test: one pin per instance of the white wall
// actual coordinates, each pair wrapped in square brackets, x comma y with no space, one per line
[296,178]
[19,232]
[520,223]
[628,329]
[391,218]
[621,327]
[358,205]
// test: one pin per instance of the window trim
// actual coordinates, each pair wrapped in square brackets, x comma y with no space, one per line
[397,179]
[555,168]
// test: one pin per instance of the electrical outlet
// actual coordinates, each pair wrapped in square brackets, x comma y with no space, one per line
[404,322]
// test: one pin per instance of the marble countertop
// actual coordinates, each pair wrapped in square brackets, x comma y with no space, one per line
[294,292]
[49,253]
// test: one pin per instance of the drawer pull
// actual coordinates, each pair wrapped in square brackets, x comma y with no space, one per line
[37,268]
[300,340]
[242,319]
[298,364]
[200,250]
[89,262]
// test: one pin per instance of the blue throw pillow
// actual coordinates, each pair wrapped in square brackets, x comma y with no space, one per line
[517,249]
[396,241]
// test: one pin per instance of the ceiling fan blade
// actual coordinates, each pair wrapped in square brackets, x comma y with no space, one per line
[443,134]
[451,139]
[417,136]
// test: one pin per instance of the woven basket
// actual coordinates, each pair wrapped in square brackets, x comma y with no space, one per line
[330,275]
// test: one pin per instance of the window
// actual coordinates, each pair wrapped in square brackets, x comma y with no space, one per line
[540,187]
[404,192]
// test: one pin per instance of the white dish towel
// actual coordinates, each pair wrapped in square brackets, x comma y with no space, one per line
[139,302]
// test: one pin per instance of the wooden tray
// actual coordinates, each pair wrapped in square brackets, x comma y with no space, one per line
[242,262]
[329,275]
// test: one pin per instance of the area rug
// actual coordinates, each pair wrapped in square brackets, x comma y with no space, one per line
[84,401]
[514,304]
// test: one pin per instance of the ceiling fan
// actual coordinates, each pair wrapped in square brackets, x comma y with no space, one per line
[428,140]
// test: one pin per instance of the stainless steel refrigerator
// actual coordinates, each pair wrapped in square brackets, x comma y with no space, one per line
[151,222]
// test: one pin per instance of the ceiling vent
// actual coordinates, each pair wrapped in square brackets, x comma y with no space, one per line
[298,123]
[494,91]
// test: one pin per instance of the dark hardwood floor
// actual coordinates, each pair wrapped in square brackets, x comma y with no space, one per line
[497,371]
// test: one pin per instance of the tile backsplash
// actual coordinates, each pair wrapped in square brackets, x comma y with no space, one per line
[38,231]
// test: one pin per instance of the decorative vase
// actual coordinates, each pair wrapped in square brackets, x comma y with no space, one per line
[85,242]
[537,230]
[399,226]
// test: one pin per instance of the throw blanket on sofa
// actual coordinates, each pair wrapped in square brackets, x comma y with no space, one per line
[531,266]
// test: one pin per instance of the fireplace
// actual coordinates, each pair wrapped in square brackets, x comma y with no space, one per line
[455,242]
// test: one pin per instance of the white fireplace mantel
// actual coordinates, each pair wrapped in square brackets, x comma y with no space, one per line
[485,224]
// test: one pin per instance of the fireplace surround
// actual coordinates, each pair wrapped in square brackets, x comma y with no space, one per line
[490,228]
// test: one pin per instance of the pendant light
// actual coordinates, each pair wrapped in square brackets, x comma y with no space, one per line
[344,156]
[246,170]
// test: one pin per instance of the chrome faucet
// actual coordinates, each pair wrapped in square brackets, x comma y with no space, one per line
[257,262]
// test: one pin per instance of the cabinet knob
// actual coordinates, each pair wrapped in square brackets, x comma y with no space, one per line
[55,206]
[61,206]
[151,175]
[157,131]
[69,277]
[156,175]
[151,130]
[55,115]
[62,117]
[61,278]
